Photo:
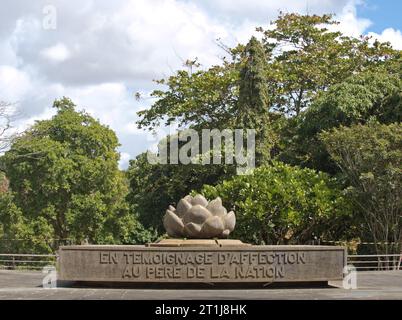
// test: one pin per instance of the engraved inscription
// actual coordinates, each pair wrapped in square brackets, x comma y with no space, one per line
[212,265]
[108,258]
[203,266]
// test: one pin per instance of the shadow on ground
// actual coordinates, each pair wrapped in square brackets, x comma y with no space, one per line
[193,286]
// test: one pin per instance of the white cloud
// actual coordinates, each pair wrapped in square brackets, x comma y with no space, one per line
[113,105]
[23,124]
[135,41]
[389,35]
[350,24]
[124,160]
[14,84]
[57,53]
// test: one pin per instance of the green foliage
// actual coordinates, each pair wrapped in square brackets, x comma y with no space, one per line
[202,98]
[154,187]
[20,235]
[65,180]
[370,157]
[253,92]
[375,95]
[302,58]
[280,204]
[299,80]
[314,58]
[253,103]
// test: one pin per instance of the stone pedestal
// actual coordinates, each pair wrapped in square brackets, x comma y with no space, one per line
[195,261]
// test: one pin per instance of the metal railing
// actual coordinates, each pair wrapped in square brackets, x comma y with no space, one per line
[376,262]
[26,261]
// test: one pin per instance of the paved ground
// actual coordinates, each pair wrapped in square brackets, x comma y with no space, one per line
[371,285]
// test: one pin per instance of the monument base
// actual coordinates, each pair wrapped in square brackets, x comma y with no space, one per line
[189,261]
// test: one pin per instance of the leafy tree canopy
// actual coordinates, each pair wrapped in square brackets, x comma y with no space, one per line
[308,58]
[370,157]
[281,204]
[65,180]
[303,57]
[154,187]
[374,95]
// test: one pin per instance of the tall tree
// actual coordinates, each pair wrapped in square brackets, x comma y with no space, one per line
[308,58]
[303,58]
[198,98]
[370,157]
[373,95]
[254,99]
[64,174]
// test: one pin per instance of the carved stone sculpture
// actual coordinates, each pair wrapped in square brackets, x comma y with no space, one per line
[196,218]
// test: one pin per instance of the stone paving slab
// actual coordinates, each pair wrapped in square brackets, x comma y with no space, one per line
[371,285]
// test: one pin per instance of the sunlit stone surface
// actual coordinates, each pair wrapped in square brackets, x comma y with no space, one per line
[212,264]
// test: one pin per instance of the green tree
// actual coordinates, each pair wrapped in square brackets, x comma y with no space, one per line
[302,56]
[65,179]
[19,234]
[308,58]
[254,99]
[202,99]
[280,204]
[303,60]
[374,95]
[370,157]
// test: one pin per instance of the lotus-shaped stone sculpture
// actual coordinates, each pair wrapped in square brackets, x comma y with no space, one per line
[196,218]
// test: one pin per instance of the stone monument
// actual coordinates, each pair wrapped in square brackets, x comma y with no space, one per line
[198,251]
[196,218]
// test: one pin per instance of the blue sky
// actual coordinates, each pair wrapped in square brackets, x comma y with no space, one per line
[101,52]
[383,13]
